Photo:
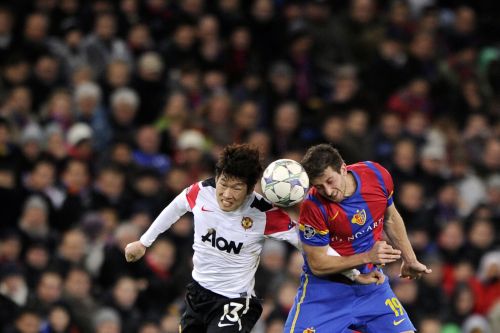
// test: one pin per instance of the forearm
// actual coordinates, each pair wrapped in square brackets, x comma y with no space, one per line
[323,264]
[350,273]
[396,232]
[164,221]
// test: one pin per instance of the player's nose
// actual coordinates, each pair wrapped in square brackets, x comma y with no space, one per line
[226,193]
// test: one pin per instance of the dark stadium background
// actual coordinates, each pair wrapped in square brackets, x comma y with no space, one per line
[108,109]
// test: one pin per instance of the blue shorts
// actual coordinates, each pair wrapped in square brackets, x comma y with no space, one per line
[323,306]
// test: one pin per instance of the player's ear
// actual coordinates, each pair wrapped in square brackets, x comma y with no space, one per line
[343,169]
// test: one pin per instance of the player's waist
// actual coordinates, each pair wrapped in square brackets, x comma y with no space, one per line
[194,289]
[215,291]
[337,278]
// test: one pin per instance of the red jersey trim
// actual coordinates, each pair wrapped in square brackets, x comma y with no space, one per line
[277,221]
[192,194]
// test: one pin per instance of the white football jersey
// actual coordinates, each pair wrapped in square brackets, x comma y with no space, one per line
[227,245]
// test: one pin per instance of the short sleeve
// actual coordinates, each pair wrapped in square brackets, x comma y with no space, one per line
[389,184]
[312,224]
[386,179]
[192,194]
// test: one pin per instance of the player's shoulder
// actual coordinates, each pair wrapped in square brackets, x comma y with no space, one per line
[202,185]
[201,192]
[208,183]
[363,165]
[311,196]
[312,200]
[367,167]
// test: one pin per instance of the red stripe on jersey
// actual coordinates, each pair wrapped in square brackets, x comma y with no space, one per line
[339,228]
[277,221]
[192,194]
[336,222]
[386,176]
[373,195]
[389,187]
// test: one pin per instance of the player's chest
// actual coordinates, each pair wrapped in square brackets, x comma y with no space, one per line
[229,232]
[357,217]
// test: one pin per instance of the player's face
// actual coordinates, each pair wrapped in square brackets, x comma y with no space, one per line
[331,184]
[231,192]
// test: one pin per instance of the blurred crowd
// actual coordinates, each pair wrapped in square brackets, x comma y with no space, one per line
[108,109]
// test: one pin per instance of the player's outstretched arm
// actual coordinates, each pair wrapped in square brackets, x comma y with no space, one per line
[178,207]
[134,251]
[396,231]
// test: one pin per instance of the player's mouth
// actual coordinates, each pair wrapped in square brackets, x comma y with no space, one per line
[335,196]
[226,203]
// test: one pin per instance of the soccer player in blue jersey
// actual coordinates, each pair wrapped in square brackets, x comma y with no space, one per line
[347,209]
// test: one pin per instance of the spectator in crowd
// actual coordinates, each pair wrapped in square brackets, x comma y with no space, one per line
[109,109]
[103,45]
[77,295]
[47,293]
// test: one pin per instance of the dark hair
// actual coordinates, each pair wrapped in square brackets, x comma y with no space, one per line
[320,157]
[240,161]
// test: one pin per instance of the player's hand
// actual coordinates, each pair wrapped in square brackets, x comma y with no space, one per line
[413,270]
[134,251]
[383,253]
[373,277]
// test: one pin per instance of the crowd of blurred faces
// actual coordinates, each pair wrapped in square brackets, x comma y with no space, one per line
[108,109]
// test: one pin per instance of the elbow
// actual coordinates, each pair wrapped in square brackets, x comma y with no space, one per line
[315,270]
[314,266]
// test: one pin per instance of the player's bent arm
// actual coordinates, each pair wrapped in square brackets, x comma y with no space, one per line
[396,231]
[323,264]
[292,236]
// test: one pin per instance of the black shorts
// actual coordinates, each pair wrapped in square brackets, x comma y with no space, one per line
[209,312]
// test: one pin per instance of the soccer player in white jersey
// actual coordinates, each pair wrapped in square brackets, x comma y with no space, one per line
[231,222]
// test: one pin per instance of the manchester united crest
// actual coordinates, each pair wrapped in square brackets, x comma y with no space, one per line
[246,223]
[359,217]
[309,330]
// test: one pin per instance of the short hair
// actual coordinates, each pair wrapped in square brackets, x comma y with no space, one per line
[88,89]
[240,161]
[125,95]
[320,157]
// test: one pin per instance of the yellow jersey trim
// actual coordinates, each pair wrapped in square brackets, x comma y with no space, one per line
[321,232]
[298,304]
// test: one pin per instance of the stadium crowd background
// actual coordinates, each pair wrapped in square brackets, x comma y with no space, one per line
[108,109]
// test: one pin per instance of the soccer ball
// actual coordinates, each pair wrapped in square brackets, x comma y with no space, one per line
[284,182]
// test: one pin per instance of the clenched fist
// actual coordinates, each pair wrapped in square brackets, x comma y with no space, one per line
[134,251]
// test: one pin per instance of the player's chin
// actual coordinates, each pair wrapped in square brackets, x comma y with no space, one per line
[336,198]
